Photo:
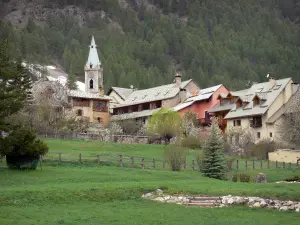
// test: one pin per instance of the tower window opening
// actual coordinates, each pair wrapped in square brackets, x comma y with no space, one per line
[91,66]
[91,84]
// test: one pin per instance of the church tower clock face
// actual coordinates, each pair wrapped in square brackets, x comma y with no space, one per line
[90,75]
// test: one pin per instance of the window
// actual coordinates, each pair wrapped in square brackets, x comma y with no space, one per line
[99,119]
[91,66]
[256,122]
[91,84]
[99,106]
[238,123]
[79,112]
[271,134]
[258,135]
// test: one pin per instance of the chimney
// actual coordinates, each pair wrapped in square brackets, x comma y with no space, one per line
[272,82]
[178,79]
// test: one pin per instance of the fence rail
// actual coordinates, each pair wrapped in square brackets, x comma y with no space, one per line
[142,162]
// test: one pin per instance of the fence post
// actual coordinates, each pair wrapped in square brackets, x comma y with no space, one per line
[132,162]
[246,164]
[283,165]
[253,164]
[290,165]
[98,158]
[276,164]
[261,164]
[164,163]
[121,160]
[268,164]
[184,165]
[154,163]
[80,157]
[298,163]
[143,164]
[59,156]
[193,164]
[237,164]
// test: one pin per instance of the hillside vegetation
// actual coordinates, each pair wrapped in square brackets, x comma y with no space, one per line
[143,42]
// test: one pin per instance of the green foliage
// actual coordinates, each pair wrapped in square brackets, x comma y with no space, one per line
[235,178]
[213,163]
[15,80]
[22,142]
[165,123]
[71,82]
[191,142]
[211,42]
[175,156]
[130,126]
[244,177]
[262,148]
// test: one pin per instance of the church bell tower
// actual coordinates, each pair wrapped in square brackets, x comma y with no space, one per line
[93,71]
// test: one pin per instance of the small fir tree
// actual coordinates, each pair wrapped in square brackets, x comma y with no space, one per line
[213,164]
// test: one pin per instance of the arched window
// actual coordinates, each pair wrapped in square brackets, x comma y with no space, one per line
[79,112]
[91,84]
[91,66]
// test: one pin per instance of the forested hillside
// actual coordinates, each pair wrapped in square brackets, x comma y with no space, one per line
[142,42]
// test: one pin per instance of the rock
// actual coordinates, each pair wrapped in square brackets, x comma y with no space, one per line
[240,200]
[263,204]
[260,178]
[256,205]
[230,201]
[283,208]
[290,203]
[159,192]
[159,199]
[148,195]
[167,197]
[297,205]
[297,210]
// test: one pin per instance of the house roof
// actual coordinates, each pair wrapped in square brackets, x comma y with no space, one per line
[153,94]
[81,94]
[266,93]
[144,113]
[122,92]
[203,94]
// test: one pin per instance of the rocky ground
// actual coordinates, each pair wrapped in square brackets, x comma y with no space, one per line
[223,201]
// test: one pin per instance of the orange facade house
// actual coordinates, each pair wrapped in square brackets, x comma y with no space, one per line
[201,102]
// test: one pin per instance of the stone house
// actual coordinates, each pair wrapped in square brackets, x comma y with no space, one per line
[258,108]
[140,104]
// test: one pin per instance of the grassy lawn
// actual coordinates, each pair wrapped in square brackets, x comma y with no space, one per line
[89,193]
[92,194]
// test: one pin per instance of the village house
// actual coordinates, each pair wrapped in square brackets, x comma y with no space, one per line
[258,108]
[201,102]
[91,104]
[140,104]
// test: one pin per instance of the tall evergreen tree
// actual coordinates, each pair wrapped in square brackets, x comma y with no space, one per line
[15,81]
[213,163]
[71,83]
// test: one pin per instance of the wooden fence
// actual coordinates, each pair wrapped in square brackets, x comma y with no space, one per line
[142,162]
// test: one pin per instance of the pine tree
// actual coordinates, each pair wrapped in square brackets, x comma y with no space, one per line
[213,163]
[15,81]
[71,83]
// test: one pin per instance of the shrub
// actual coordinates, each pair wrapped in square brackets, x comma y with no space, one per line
[235,178]
[22,149]
[191,142]
[229,161]
[244,178]
[262,148]
[175,156]
[295,178]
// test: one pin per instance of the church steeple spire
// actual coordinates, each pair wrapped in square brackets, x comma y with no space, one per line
[93,71]
[93,59]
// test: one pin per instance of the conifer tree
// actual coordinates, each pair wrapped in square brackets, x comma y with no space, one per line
[213,162]
[71,83]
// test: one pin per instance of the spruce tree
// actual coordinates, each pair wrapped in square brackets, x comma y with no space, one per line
[15,81]
[213,163]
[71,83]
